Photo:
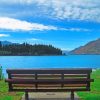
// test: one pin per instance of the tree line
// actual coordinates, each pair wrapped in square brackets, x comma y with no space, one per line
[28,49]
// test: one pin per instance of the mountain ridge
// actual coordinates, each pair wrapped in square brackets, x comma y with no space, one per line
[93,47]
[6,43]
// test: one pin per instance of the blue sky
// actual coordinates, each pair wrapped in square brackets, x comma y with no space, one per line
[65,24]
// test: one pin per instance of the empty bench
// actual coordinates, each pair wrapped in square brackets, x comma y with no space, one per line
[49,80]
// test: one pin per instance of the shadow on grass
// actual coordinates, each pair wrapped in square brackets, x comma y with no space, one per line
[51,99]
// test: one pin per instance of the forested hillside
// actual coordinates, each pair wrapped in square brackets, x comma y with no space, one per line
[28,49]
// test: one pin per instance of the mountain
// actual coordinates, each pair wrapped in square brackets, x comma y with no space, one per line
[92,47]
[6,43]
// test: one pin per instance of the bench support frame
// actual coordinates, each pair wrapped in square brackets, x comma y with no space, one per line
[72,95]
[26,95]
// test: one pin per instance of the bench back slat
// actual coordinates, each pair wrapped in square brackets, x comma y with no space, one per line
[49,71]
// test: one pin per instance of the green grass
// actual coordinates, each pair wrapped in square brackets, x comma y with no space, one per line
[94,94]
[5,95]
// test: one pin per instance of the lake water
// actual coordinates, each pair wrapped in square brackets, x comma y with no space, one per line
[70,61]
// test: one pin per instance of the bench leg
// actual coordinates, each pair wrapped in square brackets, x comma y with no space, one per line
[72,95]
[26,96]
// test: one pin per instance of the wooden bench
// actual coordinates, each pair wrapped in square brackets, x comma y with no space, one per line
[49,80]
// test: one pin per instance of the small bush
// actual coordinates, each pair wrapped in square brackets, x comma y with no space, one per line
[1,74]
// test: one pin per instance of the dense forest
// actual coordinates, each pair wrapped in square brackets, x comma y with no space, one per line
[28,49]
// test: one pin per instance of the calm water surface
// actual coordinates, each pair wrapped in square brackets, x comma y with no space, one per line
[70,61]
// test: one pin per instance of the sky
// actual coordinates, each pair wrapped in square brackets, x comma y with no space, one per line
[66,24]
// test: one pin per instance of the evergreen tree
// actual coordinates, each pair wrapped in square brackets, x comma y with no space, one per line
[0,45]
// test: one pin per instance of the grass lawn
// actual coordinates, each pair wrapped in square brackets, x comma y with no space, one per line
[94,94]
[5,95]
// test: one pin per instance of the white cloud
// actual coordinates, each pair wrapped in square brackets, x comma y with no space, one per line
[70,9]
[4,35]
[62,9]
[15,24]
[76,9]
[35,39]
[76,29]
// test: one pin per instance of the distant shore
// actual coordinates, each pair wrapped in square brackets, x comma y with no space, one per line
[50,55]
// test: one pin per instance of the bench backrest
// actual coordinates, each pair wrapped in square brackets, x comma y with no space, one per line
[49,79]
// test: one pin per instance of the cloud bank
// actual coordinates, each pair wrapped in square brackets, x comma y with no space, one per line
[4,35]
[88,10]
[16,24]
